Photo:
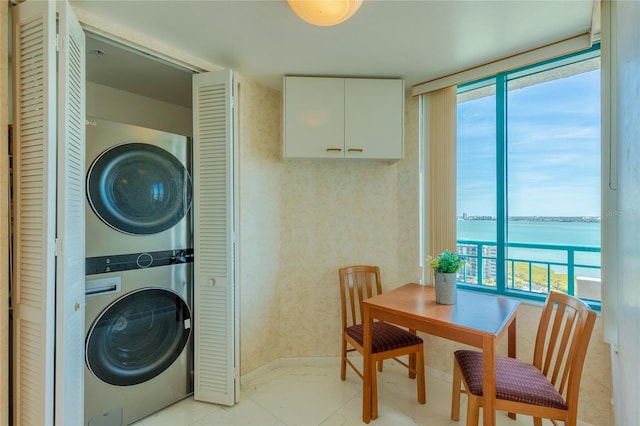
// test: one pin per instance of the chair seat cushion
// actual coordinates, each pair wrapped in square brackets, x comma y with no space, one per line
[385,337]
[515,380]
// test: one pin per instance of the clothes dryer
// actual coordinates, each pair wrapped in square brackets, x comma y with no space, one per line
[139,345]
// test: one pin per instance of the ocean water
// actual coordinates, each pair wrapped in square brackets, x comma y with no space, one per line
[578,233]
[558,233]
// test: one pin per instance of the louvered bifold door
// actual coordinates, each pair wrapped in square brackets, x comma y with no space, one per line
[34,167]
[215,338]
[69,378]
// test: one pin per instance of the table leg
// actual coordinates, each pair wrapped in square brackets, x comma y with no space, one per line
[511,341]
[366,368]
[488,381]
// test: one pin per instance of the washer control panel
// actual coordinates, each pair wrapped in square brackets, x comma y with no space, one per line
[127,262]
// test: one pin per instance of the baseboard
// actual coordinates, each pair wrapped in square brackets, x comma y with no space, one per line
[270,366]
[289,362]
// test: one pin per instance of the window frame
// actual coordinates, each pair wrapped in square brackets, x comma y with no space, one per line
[501,80]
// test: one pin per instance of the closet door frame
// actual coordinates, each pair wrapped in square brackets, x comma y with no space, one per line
[34,192]
[48,283]
[46,386]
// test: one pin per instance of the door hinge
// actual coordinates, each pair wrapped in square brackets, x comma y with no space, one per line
[57,42]
[57,247]
[234,102]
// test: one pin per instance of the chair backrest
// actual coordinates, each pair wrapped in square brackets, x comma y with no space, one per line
[561,343]
[357,283]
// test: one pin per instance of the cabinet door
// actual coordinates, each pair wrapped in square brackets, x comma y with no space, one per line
[374,118]
[313,117]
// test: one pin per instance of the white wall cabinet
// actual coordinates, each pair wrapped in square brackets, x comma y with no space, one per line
[328,117]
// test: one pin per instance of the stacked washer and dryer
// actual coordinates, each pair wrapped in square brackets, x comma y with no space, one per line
[139,346]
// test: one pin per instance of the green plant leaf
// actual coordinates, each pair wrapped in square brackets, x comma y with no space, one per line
[446,262]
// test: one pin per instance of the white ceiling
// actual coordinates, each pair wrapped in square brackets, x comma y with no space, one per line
[415,40]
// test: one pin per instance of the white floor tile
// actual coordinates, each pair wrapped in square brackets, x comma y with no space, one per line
[310,395]
[244,413]
[305,396]
[185,412]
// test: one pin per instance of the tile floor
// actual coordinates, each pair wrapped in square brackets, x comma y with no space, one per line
[308,392]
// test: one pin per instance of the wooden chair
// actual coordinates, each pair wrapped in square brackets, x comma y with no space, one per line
[388,341]
[549,387]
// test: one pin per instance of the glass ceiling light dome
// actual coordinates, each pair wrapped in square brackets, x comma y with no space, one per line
[324,13]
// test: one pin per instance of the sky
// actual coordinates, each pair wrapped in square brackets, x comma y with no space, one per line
[553,150]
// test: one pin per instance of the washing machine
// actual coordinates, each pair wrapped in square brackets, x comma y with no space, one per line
[138,189]
[139,346]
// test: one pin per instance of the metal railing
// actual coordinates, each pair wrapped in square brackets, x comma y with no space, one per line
[534,268]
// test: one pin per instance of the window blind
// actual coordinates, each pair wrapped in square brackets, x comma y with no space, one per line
[440,108]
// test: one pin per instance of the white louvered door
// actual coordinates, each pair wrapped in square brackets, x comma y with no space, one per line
[34,168]
[48,292]
[215,303]
[69,357]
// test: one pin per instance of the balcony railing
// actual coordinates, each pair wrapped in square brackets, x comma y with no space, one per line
[534,268]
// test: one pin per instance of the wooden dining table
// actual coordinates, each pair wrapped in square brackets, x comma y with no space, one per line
[476,319]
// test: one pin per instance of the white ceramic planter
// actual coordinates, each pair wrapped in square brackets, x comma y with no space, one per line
[445,288]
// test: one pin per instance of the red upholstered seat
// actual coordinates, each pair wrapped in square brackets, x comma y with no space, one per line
[385,337]
[515,380]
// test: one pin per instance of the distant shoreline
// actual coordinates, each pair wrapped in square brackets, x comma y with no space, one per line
[590,219]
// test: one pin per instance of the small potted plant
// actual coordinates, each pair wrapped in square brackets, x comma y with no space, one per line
[445,267]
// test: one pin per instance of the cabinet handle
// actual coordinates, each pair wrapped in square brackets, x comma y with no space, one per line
[355,150]
[334,149]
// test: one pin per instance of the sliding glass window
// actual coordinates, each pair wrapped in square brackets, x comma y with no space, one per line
[528,179]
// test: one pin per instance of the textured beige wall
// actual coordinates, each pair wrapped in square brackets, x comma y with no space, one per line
[337,213]
[409,198]
[301,220]
[259,141]
[334,213]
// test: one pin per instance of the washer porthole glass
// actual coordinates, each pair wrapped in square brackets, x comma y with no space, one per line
[138,336]
[139,189]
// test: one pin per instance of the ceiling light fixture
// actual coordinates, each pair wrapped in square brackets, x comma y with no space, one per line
[324,13]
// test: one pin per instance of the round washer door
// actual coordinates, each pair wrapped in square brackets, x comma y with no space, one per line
[138,188]
[138,336]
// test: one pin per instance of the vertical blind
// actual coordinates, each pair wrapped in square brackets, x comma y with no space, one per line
[440,107]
